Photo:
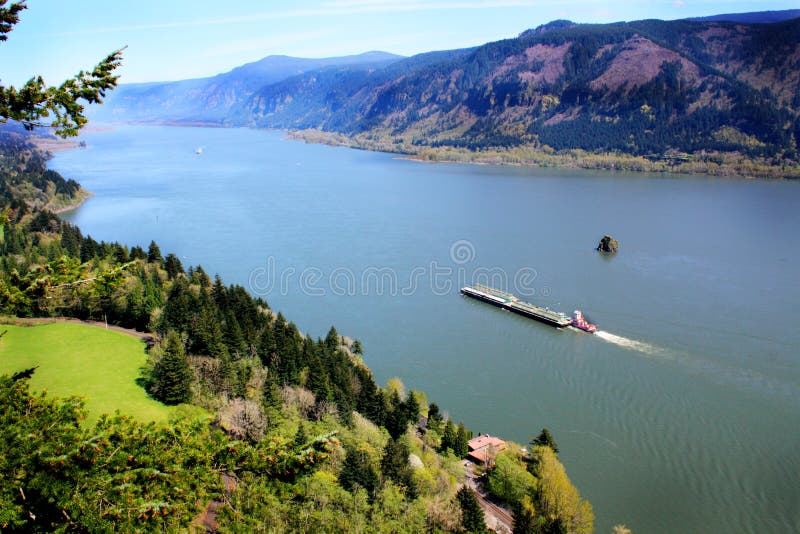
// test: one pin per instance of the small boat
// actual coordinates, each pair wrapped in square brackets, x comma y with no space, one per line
[199,150]
[580,322]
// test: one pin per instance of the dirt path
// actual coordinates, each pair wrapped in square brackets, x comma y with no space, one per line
[144,336]
[206,521]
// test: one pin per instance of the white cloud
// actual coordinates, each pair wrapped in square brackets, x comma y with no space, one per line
[679,4]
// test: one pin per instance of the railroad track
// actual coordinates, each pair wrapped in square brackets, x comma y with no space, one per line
[504,517]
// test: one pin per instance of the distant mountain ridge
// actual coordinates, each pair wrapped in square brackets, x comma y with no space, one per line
[212,99]
[761,17]
[644,88]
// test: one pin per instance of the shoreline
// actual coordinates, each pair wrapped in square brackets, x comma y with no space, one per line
[718,165]
[86,195]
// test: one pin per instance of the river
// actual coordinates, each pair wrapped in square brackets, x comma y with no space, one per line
[682,415]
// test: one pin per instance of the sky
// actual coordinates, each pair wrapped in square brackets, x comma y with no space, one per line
[180,39]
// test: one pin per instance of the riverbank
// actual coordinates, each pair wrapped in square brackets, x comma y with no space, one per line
[718,164]
[59,205]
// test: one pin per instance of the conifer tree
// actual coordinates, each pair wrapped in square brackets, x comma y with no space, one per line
[434,417]
[332,340]
[357,470]
[448,436]
[471,513]
[394,464]
[154,253]
[35,100]
[173,266]
[172,376]
[546,439]
[300,438]
[461,445]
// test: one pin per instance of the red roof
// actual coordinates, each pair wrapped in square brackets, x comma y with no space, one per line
[486,441]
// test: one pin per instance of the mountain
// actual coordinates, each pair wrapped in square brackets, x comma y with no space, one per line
[645,87]
[212,99]
[754,17]
[661,89]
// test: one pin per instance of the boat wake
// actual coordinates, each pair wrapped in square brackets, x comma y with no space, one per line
[627,343]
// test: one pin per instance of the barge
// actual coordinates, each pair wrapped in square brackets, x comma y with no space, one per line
[509,302]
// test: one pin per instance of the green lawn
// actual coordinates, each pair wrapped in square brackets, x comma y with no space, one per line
[94,363]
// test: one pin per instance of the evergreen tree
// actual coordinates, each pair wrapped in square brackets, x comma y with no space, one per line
[272,395]
[525,521]
[138,253]
[300,438]
[356,347]
[232,336]
[154,253]
[333,340]
[173,266]
[35,101]
[179,309]
[461,445]
[448,436]
[544,438]
[394,464]
[410,409]
[172,376]
[471,513]
[357,470]
[434,417]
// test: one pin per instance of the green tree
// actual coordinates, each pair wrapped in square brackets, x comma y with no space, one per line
[510,480]
[525,521]
[357,472]
[461,445]
[448,436]
[36,101]
[471,513]
[173,266]
[333,340]
[558,502]
[154,253]
[434,417]
[545,439]
[300,437]
[172,376]
[394,464]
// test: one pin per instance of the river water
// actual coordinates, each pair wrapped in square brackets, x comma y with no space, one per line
[681,415]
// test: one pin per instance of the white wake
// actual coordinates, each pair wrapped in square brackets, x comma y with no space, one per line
[628,343]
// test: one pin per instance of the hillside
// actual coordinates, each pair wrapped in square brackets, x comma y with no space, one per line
[24,176]
[647,87]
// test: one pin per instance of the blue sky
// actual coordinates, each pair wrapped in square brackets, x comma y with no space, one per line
[178,39]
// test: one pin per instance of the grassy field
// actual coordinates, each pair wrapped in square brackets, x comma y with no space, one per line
[94,363]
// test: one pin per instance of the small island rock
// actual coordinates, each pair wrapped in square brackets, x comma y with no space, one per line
[608,244]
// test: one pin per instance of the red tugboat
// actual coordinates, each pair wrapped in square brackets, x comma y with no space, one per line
[582,323]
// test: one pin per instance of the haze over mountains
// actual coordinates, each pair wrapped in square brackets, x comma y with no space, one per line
[212,99]
[643,87]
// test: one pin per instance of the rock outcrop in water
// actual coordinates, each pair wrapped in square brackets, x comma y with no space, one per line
[608,244]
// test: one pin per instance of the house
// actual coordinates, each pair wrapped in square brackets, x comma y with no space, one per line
[484,448]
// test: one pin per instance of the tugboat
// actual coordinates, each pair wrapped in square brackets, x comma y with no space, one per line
[580,322]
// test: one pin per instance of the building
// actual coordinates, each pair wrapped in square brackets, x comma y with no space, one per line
[484,449]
